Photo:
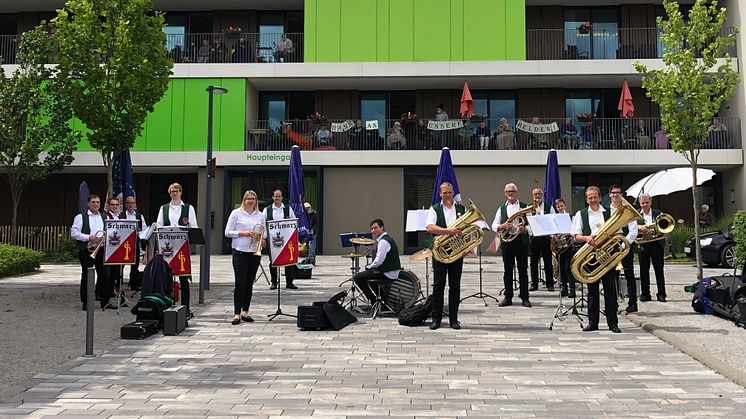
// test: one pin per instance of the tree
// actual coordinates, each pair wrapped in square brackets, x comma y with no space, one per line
[35,136]
[114,66]
[692,85]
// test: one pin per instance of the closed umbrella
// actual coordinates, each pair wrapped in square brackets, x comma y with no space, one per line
[445,174]
[297,190]
[467,103]
[122,179]
[83,193]
[552,188]
[626,107]
[669,180]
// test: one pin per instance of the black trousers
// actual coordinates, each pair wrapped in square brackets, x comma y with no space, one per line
[245,266]
[104,286]
[135,280]
[453,271]
[362,280]
[628,265]
[652,252]
[566,278]
[289,274]
[540,249]
[184,289]
[514,253]
[610,302]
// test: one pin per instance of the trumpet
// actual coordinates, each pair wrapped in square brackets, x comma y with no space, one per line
[258,238]
[98,245]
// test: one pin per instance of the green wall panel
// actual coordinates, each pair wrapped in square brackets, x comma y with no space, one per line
[233,115]
[176,142]
[414,30]
[157,132]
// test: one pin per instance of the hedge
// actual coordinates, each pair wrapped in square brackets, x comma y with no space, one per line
[15,260]
[739,234]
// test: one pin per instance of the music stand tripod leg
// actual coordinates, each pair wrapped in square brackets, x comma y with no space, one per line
[481,294]
[279,310]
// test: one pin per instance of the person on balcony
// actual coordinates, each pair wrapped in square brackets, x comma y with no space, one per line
[483,134]
[323,137]
[538,141]
[717,134]
[241,53]
[441,136]
[356,136]
[283,49]
[218,51]
[505,137]
[569,134]
[203,54]
[466,136]
[661,138]
[395,139]
[425,139]
[642,134]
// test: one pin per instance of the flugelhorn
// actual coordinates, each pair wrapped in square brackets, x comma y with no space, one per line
[449,248]
[258,238]
[663,224]
[98,245]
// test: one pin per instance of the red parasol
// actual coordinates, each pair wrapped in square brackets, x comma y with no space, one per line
[467,103]
[626,107]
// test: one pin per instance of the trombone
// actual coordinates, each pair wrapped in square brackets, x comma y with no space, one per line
[100,242]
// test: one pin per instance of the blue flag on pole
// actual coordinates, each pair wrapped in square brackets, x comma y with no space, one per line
[296,191]
[122,179]
[552,188]
[445,174]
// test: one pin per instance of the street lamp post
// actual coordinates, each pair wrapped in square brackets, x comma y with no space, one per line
[204,271]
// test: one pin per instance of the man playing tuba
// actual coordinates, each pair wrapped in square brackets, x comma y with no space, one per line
[514,251]
[650,252]
[586,223]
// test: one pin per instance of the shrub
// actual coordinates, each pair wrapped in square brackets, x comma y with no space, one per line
[16,260]
[66,251]
[739,235]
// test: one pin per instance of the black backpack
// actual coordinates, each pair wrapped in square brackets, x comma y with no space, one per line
[417,314]
[151,307]
[157,278]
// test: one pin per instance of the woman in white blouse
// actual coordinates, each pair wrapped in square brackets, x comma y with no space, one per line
[242,228]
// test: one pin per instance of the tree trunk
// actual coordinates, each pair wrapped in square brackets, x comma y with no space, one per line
[15,194]
[697,246]
[108,159]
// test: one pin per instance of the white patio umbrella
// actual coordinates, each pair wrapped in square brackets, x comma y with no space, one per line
[668,180]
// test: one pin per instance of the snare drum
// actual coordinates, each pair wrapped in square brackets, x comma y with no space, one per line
[403,291]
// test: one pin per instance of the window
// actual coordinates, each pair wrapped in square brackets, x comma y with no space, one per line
[271,27]
[175,29]
[419,184]
[496,105]
[583,101]
[373,107]
[602,41]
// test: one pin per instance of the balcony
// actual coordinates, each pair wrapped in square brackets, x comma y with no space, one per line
[586,134]
[598,44]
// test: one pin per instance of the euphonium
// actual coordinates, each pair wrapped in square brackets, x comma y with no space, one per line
[258,238]
[518,219]
[663,224]
[590,263]
[561,242]
[449,248]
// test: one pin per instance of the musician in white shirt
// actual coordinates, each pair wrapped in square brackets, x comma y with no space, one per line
[131,213]
[84,231]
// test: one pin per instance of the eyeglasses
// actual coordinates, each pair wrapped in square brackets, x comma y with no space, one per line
[251,198]
[614,193]
[174,191]
[277,197]
[511,191]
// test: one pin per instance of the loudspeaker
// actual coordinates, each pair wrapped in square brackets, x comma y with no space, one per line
[174,320]
[139,329]
[303,273]
[313,317]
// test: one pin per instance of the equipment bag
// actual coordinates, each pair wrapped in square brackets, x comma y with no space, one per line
[158,277]
[151,307]
[417,314]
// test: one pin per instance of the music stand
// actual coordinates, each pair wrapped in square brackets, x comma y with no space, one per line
[416,222]
[481,294]
[279,309]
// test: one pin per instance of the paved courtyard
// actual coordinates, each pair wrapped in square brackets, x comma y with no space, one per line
[504,362]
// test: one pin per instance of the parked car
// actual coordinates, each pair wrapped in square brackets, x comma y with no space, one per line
[718,248]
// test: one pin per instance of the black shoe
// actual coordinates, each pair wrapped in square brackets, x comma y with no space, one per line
[247,319]
[550,289]
[505,303]
[291,286]
[189,314]
[534,288]
[645,298]
[455,325]
[571,293]
[631,308]
[526,303]
[273,287]
[85,307]
[563,292]
[435,324]
[235,321]
[615,329]
[590,328]
[661,299]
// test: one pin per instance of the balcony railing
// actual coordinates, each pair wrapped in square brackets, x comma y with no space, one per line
[210,48]
[598,44]
[585,134]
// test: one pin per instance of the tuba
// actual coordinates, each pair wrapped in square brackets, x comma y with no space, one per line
[590,263]
[449,248]
[663,224]
[517,220]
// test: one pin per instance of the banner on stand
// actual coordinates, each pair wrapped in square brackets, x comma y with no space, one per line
[283,241]
[121,239]
[174,246]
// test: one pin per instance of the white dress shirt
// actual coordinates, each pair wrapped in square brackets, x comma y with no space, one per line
[240,220]
[278,213]
[174,215]
[631,227]
[383,249]
[647,217]
[448,213]
[133,216]
[595,220]
[510,209]
[541,209]
[94,220]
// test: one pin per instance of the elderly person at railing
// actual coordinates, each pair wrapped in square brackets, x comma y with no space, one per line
[323,137]
[395,138]
[356,136]
[642,134]
[505,137]
[241,52]
[717,134]
[425,137]
[538,141]
[283,49]
[483,134]
[466,136]
[661,138]
[203,54]
[569,134]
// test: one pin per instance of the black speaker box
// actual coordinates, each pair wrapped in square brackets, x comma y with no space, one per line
[139,329]
[303,273]
[313,317]
[174,320]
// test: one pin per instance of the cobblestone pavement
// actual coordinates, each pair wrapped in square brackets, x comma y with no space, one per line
[504,362]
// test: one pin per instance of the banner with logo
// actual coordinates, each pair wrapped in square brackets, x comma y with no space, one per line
[120,245]
[445,125]
[342,126]
[536,128]
[174,246]
[283,241]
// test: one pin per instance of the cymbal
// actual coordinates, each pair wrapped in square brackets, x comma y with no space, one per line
[362,240]
[421,254]
[352,255]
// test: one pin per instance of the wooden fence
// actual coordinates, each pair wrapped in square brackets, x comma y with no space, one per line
[35,237]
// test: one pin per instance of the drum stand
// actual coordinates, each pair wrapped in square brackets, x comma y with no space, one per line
[352,303]
[563,311]
[516,281]
[279,310]
[481,294]
[120,296]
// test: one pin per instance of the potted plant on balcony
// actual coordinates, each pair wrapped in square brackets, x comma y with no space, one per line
[317,119]
[409,118]
[232,31]
[585,117]
[476,118]
[585,28]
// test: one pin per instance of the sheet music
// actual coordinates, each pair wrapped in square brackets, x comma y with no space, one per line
[549,224]
[564,223]
[148,231]
[416,220]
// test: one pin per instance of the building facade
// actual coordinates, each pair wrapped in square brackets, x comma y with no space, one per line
[306,71]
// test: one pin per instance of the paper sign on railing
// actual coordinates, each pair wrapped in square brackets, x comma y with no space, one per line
[370,125]
[445,125]
[342,126]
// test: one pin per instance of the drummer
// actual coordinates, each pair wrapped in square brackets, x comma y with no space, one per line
[385,266]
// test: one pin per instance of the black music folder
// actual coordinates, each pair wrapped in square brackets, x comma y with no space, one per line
[196,236]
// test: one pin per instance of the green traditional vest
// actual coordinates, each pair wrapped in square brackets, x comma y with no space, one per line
[504,217]
[441,220]
[586,223]
[184,214]
[641,222]
[270,212]
[391,262]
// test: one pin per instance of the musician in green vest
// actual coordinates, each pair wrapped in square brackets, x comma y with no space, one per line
[439,217]
[585,225]
[650,252]
[628,262]
[540,246]
[178,213]
[279,211]
[514,252]
[385,266]
[84,231]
